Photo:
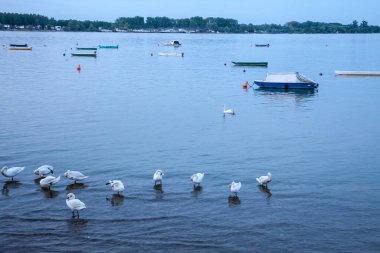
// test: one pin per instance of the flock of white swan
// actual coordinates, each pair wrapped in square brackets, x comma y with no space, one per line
[48,180]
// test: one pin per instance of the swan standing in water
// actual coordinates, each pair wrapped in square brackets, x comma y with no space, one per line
[116,185]
[11,172]
[49,181]
[264,180]
[228,111]
[157,176]
[74,204]
[75,175]
[235,187]
[43,170]
[197,179]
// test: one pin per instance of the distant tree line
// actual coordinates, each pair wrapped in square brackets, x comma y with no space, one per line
[199,24]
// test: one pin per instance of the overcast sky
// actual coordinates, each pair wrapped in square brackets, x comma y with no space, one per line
[245,11]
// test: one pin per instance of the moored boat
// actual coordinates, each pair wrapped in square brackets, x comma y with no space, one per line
[171,54]
[357,73]
[90,54]
[262,45]
[18,45]
[291,80]
[254,64]
[109,46]
[174,43]
[86,48]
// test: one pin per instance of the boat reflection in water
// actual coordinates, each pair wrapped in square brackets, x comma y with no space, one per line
[290,96]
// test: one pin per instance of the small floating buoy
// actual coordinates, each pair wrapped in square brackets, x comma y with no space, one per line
[243,70]
[151,54]
[245,85]
[78,67]
[64,54]
[225,64]
[321,74]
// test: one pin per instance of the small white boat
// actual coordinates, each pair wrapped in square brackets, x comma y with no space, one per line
[171,54]
[357,73]
[173,43]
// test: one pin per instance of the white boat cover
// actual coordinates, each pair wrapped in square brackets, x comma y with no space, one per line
[290,77]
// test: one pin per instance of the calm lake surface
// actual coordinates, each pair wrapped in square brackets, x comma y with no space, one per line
[128,113]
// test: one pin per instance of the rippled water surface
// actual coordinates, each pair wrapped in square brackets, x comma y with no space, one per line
[128,113]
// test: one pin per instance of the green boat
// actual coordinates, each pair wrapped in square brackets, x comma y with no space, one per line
[254,64]
[109,46]
[91,54]
[87,48]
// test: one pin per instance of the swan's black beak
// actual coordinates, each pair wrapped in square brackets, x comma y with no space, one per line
[107,183]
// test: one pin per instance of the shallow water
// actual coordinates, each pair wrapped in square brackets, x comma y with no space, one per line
[128,113]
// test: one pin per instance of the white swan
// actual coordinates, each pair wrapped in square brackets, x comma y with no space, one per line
[44,170]
[11,172]
[49,181]
[264,180]
[157,176]
[74,204]
[116,185]
[235,187]
[197,179]
[228,111]
[75,175]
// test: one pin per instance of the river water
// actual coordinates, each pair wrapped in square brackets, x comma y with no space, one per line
[129,112]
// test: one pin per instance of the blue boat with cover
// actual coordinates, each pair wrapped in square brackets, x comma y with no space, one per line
[291,80]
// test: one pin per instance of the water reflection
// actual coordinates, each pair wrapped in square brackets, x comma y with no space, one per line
[197,190]
[49,194]
[266,191]
[76,225]
[9,185]
[158,190]
[116,199]
[233,201]
[296,96]
[37,181]
[75,186]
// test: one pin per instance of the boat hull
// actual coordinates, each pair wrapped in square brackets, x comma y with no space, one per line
[85,55]
[357,73]
[111,47]
[252,64]
[284,85]
[86,48]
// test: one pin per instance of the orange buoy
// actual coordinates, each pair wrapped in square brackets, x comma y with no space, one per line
[78,67]
[245,85]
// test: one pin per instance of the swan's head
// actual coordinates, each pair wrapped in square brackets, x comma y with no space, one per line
[159,172]
[70,196]
[4,169]
[66,174]
[269,175]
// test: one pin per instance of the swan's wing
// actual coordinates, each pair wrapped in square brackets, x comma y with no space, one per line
[76,204]
[15,170]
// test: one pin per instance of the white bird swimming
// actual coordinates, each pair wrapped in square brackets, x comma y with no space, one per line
[44,170]
[74,204]
[75,175]
[264,180]
[235,187]
[116,185]
[228,111]
[157,176]
[197,179]
[49,181]
[11,172]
